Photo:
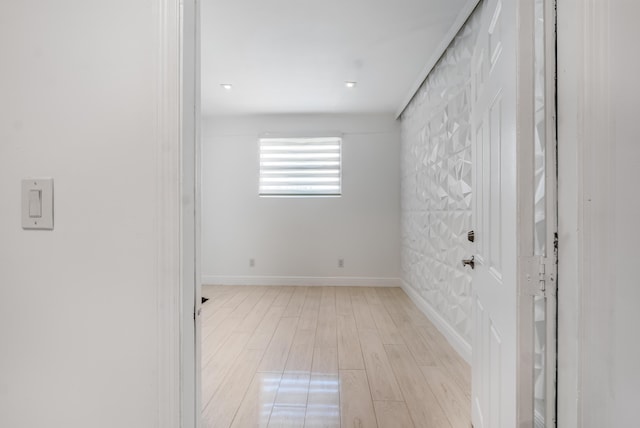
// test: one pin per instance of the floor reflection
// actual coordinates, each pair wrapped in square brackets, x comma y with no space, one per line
[291,399]
[271,359]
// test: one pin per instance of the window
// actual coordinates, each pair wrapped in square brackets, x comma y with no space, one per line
[301,166]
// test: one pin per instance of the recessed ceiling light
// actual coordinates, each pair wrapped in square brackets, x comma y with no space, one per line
[350,84]
[227,86]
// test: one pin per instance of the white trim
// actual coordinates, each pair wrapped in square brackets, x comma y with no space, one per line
[189,256]
[167,218]
[461,19]
[527,264]
[197,176]
[551,180]
[573,38]
[453,337]
[586,144]
[336,281]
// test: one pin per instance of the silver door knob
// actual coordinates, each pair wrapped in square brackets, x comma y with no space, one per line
[469,262]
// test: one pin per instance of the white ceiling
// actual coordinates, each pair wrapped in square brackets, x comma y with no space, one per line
[293,56]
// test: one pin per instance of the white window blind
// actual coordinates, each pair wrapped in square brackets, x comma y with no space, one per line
[300,166]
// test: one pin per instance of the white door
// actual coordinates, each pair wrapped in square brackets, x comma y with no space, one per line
[495,275]
[514,215]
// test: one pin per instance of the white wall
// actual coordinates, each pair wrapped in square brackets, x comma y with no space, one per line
[599,172]
[299,240]
[79,305]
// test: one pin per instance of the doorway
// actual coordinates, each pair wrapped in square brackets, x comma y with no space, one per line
[548,228]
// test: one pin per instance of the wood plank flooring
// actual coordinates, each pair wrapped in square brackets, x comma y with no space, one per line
[327,357]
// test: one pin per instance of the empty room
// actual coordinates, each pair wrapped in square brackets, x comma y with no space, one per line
[336,210]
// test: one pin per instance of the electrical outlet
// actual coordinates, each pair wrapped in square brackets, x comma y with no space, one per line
[252,262]
[340,263]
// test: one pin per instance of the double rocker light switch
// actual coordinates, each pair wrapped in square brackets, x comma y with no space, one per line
[37,203]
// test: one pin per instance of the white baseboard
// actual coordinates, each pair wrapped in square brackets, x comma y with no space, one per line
[453,337]
[350,281]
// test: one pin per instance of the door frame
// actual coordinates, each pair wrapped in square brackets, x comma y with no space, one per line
[190,212]
[529,273]
[177,222]
[585,134]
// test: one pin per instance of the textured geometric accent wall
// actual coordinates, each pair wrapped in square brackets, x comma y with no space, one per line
[436,184]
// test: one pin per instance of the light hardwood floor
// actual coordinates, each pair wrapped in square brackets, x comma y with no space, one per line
[327,357]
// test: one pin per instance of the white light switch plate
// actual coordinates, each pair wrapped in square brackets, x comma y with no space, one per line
[37,203]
